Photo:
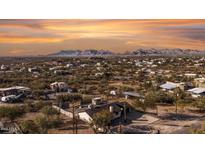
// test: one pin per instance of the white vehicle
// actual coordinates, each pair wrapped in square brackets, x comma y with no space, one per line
[9,98]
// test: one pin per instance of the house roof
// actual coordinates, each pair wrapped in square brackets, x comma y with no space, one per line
[197,90]
[16,87]
[98,108]
[134,94]
[169,85]
[58,83]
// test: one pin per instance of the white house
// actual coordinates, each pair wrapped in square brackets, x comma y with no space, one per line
[169,86]
[59,86]
[132,94]
[87,114]
[197,92]
[97,101]
[69,65]
[13,93]
[14,90]
[33,69]
[4,67]
[190,75]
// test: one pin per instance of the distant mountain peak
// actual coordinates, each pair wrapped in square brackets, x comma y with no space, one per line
[88,52]
[138,52]
[166,52]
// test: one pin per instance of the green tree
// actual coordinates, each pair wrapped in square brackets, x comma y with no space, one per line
[101,120]
[150,101]
[62,99]
[181,99]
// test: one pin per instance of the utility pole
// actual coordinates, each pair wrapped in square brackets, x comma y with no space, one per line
[176,104]
[75,120]
[176,108]
[120,128]
[157,110]
[120,123]
[73,112]
[125,116]
[76,125]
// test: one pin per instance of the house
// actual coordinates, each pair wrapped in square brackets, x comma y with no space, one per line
[96,101]
[12,94]
[4,67]
[132,94]
[197,92]
[59,86]
[61,72]
[83,65]
[22,69]
[190,75]
[14,90]
[98,64]
[69,65]
[33,69]
[169,86]
[87,113]
[55,68]
[99,74]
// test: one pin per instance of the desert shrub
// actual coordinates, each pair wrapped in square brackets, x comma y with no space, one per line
[126,88]
[11,112]
[69,97]
[49,110]
[38,105]
[200,104]
[28,107]
[54,122]
[29,127]
[44,123]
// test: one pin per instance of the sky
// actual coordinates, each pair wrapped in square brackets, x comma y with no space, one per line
[23,37]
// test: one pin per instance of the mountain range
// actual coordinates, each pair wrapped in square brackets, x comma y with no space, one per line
[137,52]
[74,53]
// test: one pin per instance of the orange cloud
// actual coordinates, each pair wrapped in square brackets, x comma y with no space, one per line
[121,34]
[29,40]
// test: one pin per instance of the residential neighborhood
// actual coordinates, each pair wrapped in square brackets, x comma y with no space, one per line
[102,95]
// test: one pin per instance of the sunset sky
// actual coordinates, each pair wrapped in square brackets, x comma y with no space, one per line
[41,37]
